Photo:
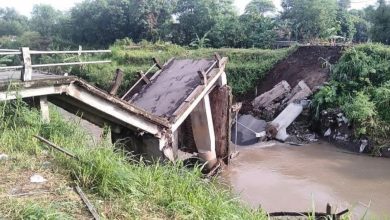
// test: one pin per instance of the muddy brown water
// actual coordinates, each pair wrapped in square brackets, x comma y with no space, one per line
[281,177]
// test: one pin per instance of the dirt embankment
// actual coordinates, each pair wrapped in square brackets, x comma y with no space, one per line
[308,63]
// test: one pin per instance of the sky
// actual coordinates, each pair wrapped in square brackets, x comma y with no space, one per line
[25,6]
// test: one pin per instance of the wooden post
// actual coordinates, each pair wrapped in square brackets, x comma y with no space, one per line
[44,106]
[117,82]
[27,67]
[220,99]
[157,63]
[203,77]
[218,58]
[143,77]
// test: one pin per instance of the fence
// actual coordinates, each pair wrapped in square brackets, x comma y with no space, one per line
[27,66]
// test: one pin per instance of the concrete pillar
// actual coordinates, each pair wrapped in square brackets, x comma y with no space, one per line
[285,118]
[44,106]
[203,130]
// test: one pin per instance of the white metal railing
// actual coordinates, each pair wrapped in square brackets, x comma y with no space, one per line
[26,67]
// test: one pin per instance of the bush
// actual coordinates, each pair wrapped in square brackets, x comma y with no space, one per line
[361,111]
[361,86]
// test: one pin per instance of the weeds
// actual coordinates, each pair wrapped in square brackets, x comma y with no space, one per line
[127,189]
[360,86]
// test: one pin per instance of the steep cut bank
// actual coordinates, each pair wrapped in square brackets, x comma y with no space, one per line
[309,63]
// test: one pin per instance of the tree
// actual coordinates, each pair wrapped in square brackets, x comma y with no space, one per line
[344,4]
[45,20]
[259,31]
[381,23]
[311,19]
[259,7]
[101,22]
[152,18]
[362,25]
[197,17]
[346,20]
[12,23]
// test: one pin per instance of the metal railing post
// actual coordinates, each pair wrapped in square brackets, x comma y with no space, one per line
[27,67]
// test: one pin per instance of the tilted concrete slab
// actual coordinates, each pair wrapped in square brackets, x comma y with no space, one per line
[73,88]
[171,87]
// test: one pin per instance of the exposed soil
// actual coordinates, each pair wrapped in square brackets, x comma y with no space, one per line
[306,63]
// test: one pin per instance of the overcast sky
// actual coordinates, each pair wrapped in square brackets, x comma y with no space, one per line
[25,6]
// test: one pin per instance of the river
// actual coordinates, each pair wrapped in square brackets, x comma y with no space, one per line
[280,177]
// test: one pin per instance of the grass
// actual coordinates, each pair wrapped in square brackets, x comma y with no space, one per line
[119,186]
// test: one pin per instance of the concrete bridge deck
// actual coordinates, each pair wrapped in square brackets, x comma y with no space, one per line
[155,111]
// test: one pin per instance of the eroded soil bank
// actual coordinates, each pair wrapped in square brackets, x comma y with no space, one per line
[290,178]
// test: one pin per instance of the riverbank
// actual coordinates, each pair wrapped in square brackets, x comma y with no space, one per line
[117,185]
[281,177]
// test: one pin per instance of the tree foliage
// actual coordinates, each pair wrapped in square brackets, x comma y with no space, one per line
[381,23]
[260,7]
[11,22]
[211,23]
[311,19]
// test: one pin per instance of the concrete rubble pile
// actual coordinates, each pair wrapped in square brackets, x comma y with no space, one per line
[280,106]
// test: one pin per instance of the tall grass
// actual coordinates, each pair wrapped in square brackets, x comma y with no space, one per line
[129,189]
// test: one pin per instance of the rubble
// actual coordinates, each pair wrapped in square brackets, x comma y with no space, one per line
[277,128]
[288,102]
[269,102]
[36,178]
[336,127]
[249,130]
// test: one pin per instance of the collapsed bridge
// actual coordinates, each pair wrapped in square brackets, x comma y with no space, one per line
[184,106]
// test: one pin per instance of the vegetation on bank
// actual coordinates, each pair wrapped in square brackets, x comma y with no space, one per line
[118,185]
[244,69]
[360,86]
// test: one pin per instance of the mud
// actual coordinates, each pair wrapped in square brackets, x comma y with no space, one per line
[291,178]
[171,87]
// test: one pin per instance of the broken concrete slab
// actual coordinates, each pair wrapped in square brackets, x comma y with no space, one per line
[280,91]
[300,92]
[171,87]
[249,130]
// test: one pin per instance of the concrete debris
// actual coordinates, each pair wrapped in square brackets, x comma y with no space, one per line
[249,130]
[337,128]
[363,145]
[3,157]
[36,178]
[298,93]
[385,151]
[280,91]
[277,128]
[288,103]
[328,132]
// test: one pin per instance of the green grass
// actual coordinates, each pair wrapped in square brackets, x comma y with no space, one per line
[360,86]
[119,186]
[244,69]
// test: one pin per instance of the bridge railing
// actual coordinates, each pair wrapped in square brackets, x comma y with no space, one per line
[26,66]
